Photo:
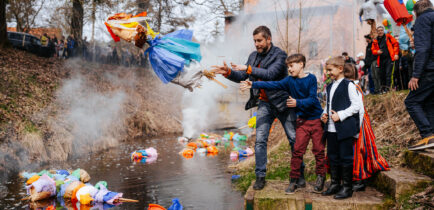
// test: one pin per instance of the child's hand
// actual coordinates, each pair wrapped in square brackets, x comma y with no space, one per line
[290,102]
[245,85]
[324,118]
[335,116]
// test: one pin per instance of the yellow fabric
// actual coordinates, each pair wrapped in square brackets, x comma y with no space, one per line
[86,199]
[130,25]
[32,179]
[44,41]
[150,32]
[252,122]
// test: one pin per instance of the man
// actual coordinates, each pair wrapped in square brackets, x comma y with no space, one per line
[369,59]
[348,59]
[386,48]
[420,100]
[267,63]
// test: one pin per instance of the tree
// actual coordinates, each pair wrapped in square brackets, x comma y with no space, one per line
[24,13]
[77,19]
[3,25]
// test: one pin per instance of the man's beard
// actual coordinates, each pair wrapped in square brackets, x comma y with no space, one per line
[261,49]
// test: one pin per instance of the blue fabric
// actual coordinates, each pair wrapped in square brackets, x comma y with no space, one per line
[62,172]
[109,196]
[72,178]
[169,54]
[403,39]
[176,205]
[63,188]
[302,89]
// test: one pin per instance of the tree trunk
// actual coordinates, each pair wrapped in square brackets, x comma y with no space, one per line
[3,25]
[77,20]
[93,20]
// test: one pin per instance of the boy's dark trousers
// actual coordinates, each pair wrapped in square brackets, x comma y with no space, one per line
[420,105]
[307,129]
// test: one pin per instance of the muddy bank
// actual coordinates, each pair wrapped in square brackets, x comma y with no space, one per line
[52,110]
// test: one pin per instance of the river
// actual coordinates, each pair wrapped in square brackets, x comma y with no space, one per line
[200,182]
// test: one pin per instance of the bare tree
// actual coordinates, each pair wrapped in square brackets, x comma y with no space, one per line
[77,19]
[3,25]
[24,13]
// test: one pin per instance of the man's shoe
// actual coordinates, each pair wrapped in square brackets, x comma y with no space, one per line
[347,189]
[425,143]
[259,184]
[359,186]
[301,182]
[292,186]
[319,183]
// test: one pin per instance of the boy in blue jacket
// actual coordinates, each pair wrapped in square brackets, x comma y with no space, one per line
[302,88]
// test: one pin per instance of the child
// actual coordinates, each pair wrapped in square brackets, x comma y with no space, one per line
[302,88]
[341,118]
[367,160]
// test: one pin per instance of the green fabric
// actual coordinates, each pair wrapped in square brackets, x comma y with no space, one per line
[58,184]
[242,138]
[76,173]
[409,6]
[97,185]
[226,135]
[45,172]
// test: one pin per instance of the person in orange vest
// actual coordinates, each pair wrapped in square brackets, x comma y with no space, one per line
[386,48]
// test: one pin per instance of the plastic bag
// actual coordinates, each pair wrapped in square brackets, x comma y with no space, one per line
[176,205]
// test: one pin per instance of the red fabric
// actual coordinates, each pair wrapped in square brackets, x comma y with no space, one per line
[307,129]
[392,47]
[115,38]
[398,12]
[367,160]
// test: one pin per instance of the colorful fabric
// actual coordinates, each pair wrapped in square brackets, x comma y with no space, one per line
[398,12]
[43,184]
[169,54]
[367,160]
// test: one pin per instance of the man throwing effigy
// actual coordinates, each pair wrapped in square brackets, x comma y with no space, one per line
[267,63]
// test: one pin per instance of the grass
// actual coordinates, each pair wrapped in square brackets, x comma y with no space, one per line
[406,201]
[30,127]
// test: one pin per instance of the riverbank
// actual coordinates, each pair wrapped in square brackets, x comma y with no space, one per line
[52,110]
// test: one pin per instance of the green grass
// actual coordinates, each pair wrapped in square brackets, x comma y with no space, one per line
[30,127]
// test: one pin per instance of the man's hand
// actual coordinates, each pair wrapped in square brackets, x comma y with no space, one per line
[290,102]
[413,83]
[379,52]
[324,118]
[396,57]
[335,116]
[220,69]
[238,67]
[245,85]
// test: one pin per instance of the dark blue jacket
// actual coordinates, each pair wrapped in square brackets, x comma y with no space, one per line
[302,89]
[272,68]
[424,43]
[340,101]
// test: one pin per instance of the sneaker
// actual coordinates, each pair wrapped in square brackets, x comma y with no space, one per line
[292,186]
[319,183]
[301,182]
[259,184]
[425,143]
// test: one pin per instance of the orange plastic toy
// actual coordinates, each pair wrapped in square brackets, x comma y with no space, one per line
[188,153]
[155,207]
[192,145]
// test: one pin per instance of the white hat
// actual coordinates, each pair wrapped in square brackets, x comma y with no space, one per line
[361,54]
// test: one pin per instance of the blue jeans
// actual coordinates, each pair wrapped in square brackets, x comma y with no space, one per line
[265,117]
[420,105]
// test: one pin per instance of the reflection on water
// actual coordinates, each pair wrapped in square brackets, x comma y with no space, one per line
[199,182]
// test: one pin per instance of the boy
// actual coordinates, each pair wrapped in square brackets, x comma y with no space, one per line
[341,118]
[302,88]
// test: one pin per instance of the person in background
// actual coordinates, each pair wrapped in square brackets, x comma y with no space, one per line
[348,59]
[44,40]
[369,61]
[420,100]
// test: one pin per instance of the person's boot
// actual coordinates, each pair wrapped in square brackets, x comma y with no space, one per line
[301,182]
[292,186]
[259,184]
[335,184]
[425,143]
[347,189]
[359,186]
[319,183]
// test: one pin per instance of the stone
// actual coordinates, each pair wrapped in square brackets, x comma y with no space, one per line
[420,161]
[398,181]
[273,197]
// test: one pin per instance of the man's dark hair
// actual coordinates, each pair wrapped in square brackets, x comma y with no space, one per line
[344,54]
[296,58]
[421,6]
[264,30]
